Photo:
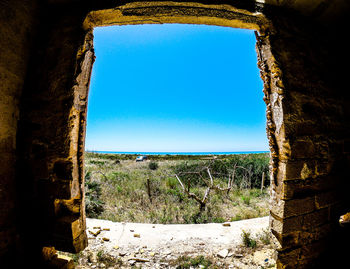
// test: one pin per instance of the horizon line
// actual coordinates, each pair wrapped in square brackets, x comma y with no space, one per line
[212,152]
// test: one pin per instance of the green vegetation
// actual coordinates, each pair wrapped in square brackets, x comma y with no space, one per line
[120,189]
[153,165]
[265,236]
[247,240]
[186,262]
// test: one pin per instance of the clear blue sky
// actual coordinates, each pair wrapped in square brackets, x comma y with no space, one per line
[175,87]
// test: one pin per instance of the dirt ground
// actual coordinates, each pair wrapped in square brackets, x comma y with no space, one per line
[141,245]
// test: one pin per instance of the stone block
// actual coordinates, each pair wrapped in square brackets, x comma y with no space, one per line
[317,233]
[288,259]
[68,207]
[292,224]
[298,207]
[315,219]
[69,234]
[63,169]
[308,187]
[297,169]
[326,199]
[276,204]
[69,227]
[301,149]
[276,224]
[312,251]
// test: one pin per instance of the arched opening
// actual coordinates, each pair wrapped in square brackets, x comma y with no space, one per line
[130,14]
[203,72]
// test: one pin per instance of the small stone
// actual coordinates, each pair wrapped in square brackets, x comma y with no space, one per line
[92,257]
[95,233]
[152,254]
[226,224]
[106,229]
[223,253]
[132,262]
[137,235]
[132,230]
[153,226]
[139,259]
[238,255]
[122,253]
[105,239]
[116,247]
[166,253]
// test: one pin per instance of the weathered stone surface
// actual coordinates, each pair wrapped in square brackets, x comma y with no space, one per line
[46,56]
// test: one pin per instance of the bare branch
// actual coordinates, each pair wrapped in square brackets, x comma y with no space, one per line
[100,172]
[211,178]
[206,195]
[182,185]
[190,194]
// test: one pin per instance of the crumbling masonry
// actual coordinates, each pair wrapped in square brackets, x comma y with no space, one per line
[46,57]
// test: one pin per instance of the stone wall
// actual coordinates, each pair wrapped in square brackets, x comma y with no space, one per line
[309,127]
[45,71]
[51,135]
[16,35]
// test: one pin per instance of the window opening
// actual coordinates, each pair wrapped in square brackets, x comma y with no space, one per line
[166,120]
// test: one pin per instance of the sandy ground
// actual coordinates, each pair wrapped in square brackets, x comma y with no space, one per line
[160,236]
[155,245]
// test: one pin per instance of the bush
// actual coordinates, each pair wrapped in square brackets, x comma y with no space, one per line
[246,200]
[190,172]
[248,173]
[153,165]
[172,183]
[186,262]
[247,240]
[265,236]
[93,204]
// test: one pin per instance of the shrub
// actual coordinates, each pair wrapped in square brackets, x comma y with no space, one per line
[153,165]
[249,169]
[246,200]
[93,204]
[247,240]
[191,172]
[265,236]
[172,183]
[186,262]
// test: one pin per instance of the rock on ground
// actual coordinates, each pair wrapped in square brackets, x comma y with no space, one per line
[123,245]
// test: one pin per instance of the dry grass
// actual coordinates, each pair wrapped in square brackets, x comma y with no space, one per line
[119,192]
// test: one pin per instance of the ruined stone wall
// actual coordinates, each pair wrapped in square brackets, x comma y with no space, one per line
[307,119]
[309,127]
[51,135]
[17,20]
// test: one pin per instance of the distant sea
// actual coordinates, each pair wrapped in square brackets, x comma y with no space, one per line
[177,153]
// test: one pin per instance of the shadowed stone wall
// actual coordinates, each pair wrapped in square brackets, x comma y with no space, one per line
[307,119]
[51,135]
[17,29]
